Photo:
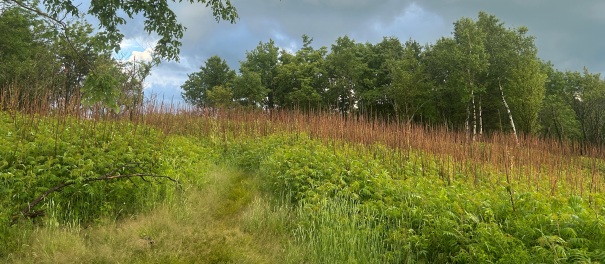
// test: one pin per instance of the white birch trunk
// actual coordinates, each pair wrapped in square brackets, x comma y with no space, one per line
[510,115]
[480,118]
[474,115]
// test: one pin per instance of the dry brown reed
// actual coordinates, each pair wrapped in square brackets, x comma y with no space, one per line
[531,163]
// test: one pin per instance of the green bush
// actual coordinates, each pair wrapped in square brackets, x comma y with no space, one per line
[416,215]
[41,153]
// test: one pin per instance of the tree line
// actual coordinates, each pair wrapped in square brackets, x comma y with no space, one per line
[484,78]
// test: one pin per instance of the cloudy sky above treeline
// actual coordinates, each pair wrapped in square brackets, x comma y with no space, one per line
[568,33]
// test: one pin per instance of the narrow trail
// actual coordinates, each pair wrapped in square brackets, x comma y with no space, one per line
[225,221]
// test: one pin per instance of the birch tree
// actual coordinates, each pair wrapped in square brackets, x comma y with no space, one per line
[474,64]
[526,83]
[514,74]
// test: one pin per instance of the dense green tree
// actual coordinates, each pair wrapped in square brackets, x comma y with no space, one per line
[457,65]
[214,73]
[484,78]
[473,64]
[220,97]
[499,46]
[80,58]
[23,54]
[248,89]
[493,70]
[263,60]
[131,89]
[442,63]
[78,55]
[345,68]
[88,71]
[301,78]
[36,64]
[101,85]
[411,88]
[557,117]
[514,76]
[285,79]
[379,75]
[527,85]
[573,107]
[586,92]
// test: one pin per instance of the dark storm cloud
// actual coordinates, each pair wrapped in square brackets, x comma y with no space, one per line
[567,33]
[286,21]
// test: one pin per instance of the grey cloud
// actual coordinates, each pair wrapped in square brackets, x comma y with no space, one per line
[567,33]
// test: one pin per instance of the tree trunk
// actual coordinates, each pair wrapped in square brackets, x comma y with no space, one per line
[474,115]
[480,118]
[510,115]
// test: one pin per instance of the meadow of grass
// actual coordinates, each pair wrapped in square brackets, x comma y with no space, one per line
[266,187]
[217,223]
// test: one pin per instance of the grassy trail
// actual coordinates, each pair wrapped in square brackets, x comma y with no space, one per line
[226,221]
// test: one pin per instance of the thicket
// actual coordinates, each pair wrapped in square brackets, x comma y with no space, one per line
[58,171]
[361,190]
[377,192]
[373,204]
[425,218]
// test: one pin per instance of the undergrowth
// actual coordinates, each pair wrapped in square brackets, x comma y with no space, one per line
[355,207]
[41,153]
[340,201]
[222,221]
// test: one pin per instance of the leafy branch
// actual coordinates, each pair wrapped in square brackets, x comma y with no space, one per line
[30,212]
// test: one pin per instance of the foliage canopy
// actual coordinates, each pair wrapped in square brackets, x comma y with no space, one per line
[159,19]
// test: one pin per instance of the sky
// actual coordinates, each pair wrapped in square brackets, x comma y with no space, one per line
[568,33]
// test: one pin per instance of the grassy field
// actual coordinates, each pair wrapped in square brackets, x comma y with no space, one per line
[188,186]
[225,221]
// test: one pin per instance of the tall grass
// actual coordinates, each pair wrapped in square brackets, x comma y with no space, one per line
[531,163]
[341,230]
[185,231]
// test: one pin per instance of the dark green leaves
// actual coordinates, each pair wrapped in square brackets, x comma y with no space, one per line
[215,73]
[159,19]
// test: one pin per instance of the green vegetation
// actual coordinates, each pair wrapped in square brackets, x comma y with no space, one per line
[485,78]
[213,213]
[288,187]
[40,153]
[386,153]
[159,19]
[212,224]
[51,55]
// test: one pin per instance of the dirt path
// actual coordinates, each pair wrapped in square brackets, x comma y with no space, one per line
[225,221]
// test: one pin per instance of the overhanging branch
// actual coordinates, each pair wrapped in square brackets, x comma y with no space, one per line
[40,13]
[30,212]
